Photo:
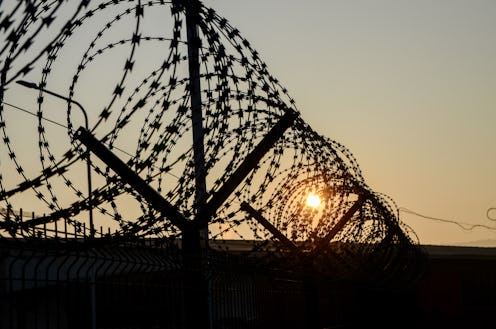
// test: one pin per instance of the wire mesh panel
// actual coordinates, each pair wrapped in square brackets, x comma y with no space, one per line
[142,286]
[253,297]
[73,286]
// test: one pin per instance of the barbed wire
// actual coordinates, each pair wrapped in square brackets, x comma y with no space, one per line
[128,60]
[463,225]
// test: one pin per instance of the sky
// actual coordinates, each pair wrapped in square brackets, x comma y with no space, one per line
[407,86]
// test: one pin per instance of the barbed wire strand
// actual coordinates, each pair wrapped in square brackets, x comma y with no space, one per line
[64,126]
[488,213]
[463,225]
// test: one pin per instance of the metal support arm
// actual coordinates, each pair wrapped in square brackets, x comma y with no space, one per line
[133,179]
[324,242]
[246,166]
[268,226]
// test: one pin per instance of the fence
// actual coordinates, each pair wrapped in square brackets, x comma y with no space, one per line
[70,285]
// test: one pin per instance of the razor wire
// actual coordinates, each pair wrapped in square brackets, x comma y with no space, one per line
[127,63]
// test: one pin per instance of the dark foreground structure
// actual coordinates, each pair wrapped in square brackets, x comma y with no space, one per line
[141,240]
[143,285]
[458,289]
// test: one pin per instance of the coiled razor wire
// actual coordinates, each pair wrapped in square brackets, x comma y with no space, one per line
[127,63]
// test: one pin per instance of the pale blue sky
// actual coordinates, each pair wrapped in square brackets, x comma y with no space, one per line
[407,86]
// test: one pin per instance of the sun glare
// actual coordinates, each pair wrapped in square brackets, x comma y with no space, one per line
[313,200]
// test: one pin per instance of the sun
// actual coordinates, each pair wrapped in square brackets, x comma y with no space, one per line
[313,200]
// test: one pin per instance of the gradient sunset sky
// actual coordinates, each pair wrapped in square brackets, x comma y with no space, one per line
[408,86]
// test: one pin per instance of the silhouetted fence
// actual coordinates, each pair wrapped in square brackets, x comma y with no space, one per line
[70,285]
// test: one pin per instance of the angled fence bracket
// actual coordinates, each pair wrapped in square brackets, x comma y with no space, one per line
[324,242]
[268,226]
[133,179]
[246,166]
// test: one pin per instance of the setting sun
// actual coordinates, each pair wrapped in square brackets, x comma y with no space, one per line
[313,200]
